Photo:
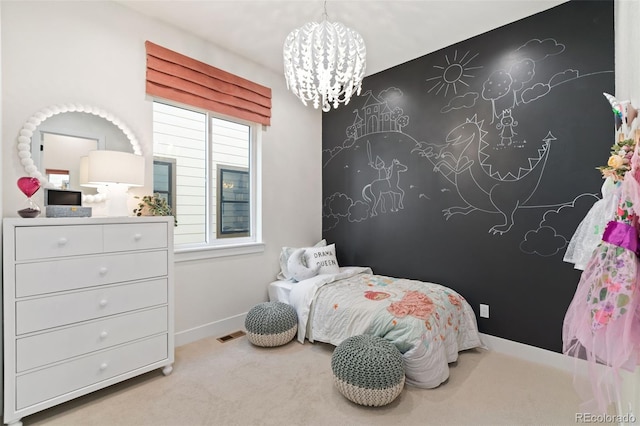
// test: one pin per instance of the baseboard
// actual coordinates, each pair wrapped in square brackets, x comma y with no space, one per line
[212,329]
[530,353]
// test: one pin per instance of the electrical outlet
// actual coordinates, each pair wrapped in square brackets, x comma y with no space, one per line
[484,311]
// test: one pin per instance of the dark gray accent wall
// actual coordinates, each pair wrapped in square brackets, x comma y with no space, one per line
[473,165]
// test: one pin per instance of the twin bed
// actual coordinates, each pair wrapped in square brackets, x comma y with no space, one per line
[429,323]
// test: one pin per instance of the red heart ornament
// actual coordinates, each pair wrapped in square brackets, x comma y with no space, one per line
[28,185]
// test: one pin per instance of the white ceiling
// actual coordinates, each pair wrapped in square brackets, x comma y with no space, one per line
[394,31]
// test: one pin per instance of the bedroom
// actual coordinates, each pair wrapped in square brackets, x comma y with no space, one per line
[94,53]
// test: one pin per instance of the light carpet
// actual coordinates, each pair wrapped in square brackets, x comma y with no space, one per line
[236,383]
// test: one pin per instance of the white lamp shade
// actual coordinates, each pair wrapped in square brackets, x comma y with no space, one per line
[84,173]
[114,167]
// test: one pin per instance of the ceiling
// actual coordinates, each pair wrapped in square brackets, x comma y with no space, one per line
[394,31]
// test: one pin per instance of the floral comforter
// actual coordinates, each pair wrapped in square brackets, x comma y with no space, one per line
[427,322]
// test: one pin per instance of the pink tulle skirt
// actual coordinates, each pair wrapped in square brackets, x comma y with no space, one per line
[602,323]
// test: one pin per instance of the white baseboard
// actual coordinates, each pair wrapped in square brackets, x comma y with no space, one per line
[213,329]
[529,353]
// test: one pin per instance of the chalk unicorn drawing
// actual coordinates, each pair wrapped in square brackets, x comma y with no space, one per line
[374,192]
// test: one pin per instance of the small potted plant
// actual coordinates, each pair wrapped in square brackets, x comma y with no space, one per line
[154,205]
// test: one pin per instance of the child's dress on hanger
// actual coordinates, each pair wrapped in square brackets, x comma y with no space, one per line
[588,234]
[602,324]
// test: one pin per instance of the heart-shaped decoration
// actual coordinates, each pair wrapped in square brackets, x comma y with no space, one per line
[28,185]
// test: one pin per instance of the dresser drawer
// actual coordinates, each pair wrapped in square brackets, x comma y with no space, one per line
[38,386]
[135,236]
[47,312]
[44,242]
[46,348]
[68,274]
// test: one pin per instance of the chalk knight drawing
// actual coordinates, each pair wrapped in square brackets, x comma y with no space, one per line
[375,192]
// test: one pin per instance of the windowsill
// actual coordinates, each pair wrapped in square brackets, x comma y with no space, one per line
[209,252]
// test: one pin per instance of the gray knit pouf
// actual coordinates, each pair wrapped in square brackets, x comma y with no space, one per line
[368,370]
[271,324]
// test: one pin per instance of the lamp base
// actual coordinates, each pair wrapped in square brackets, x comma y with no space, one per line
[117,200]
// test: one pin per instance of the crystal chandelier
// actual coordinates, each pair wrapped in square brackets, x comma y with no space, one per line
[324,63]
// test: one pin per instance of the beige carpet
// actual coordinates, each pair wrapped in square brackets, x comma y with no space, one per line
[235,383]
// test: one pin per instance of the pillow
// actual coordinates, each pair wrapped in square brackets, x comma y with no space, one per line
[298,266]
[285,254]
[324,258]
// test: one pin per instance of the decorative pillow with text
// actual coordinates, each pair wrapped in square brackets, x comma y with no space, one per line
[285,254]
[324,258]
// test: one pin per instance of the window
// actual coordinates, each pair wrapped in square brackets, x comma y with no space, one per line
[233,206]
[164,180]
[206,165]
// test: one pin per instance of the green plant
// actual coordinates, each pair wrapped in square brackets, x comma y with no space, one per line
[154,205]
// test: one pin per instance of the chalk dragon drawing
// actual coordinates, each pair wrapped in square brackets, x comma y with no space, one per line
[374,192]
[463,162]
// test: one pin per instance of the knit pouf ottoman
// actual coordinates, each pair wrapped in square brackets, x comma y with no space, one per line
[368,370]
[271,324]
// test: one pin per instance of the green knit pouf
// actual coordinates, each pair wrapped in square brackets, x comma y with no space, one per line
[368,370]
[271,324]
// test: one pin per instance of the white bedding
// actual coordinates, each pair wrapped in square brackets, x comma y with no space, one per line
[427,322]
[279,291]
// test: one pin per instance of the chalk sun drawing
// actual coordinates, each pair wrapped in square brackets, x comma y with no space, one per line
[453,73]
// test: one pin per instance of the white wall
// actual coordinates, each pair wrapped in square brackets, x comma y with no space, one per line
[93,53]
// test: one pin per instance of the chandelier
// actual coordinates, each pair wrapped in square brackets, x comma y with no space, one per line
[324,63]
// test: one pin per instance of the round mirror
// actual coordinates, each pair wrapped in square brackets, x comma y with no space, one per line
[52,141]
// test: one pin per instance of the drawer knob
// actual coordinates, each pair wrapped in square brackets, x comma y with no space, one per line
[103,270]
[103,366]
[62,241]
[137,237]
[104,335]
[103,303]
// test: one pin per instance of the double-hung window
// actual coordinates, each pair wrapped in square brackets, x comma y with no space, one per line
[206,166]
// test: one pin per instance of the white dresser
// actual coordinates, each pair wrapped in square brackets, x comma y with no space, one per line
[88,302]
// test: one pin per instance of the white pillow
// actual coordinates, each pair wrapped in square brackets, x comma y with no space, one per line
[324,258]
[285,254]
[298,266]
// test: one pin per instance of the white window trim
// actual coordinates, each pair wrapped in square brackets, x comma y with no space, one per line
[223,248]
[209,252]
[235,247]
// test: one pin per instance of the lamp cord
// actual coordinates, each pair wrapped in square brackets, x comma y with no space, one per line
[325,16]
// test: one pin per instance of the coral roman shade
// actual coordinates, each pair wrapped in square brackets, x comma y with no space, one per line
[173,76]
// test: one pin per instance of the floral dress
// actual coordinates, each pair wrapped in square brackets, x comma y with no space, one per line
[602,324]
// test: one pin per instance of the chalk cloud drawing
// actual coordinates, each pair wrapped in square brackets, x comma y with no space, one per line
[468,100]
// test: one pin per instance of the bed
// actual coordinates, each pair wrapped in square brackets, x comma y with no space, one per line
[429,323]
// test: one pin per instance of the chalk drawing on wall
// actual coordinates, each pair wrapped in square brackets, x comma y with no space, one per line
[468,100]
[384,189]
[490,159]
[504,88]
[452,74]
[546,240]
[377,115]
[463,162]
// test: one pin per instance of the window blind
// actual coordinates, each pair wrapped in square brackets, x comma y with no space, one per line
[176,77]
